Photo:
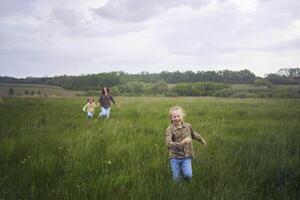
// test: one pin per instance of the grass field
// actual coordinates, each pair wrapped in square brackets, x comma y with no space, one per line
[38,89]
[49,150]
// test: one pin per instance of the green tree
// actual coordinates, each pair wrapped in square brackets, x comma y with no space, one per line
[263,82]
[11,91]
[293,73]
[160,87]
[115,91]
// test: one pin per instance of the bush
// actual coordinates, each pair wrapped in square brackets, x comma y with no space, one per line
[171,94]
[115,91]
[239,95]
[11,91]
[250,95]
[223,93]
[263,82]
[92,93]
[160,87]
[263,94]
[199,88]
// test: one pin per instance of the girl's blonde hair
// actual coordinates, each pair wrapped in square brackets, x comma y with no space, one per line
[180,109]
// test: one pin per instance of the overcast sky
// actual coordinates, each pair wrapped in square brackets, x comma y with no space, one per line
[53,37]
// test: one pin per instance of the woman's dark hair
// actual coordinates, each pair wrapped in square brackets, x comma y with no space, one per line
[107,89]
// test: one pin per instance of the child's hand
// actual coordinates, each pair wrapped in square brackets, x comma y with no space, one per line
[186,141]
[204,142]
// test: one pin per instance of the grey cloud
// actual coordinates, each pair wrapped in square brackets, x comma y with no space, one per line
[73,23]
[16,7]
[215,32]
[68,17]
[58,36]
[138,11]
[277,13]
[289,45]
[228,30]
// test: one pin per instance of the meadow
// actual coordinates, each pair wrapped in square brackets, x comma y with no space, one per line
[50,150]
[41,90]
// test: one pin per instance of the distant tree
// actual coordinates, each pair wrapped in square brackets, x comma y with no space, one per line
[115,91]
[39,92]
[32,92]
[26,92]
[160,87]
[246,76]
[198,88]
[279,79]
[293,73]
[136,87]
[11,91]
[263,82]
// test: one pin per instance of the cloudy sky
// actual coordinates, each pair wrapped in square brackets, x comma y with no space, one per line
[73,37]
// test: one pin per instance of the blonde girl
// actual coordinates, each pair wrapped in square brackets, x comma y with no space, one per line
[179,135]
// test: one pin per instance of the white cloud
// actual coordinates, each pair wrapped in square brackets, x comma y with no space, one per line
[137,11]
[91,36]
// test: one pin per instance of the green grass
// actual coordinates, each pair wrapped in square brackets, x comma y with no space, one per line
[49,150]
[39,90]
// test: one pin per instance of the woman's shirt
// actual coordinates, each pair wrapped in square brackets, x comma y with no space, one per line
[104,100]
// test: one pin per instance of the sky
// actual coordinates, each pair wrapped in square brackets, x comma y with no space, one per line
[40,38]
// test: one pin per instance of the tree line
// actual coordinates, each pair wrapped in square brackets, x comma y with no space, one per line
[95,81]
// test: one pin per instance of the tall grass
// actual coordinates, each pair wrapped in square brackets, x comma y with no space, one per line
[50,150]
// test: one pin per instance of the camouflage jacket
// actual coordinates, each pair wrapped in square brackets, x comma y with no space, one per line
[174,135]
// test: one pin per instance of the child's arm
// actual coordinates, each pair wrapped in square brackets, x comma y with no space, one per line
[197,136]
[84,107]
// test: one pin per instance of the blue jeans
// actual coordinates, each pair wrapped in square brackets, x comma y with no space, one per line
[90,115]
[104,112]
[181,168]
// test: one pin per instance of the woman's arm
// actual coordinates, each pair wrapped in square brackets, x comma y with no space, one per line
[112,99]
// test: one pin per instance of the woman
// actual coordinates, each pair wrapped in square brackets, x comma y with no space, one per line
[104,101]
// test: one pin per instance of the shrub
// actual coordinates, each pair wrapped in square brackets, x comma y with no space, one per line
[115,91]
[263,82]
[223,93]
[239,95]
[11,91]
[250,95]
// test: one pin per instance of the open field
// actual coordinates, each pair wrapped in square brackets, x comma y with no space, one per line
[49,150]
[38,90]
